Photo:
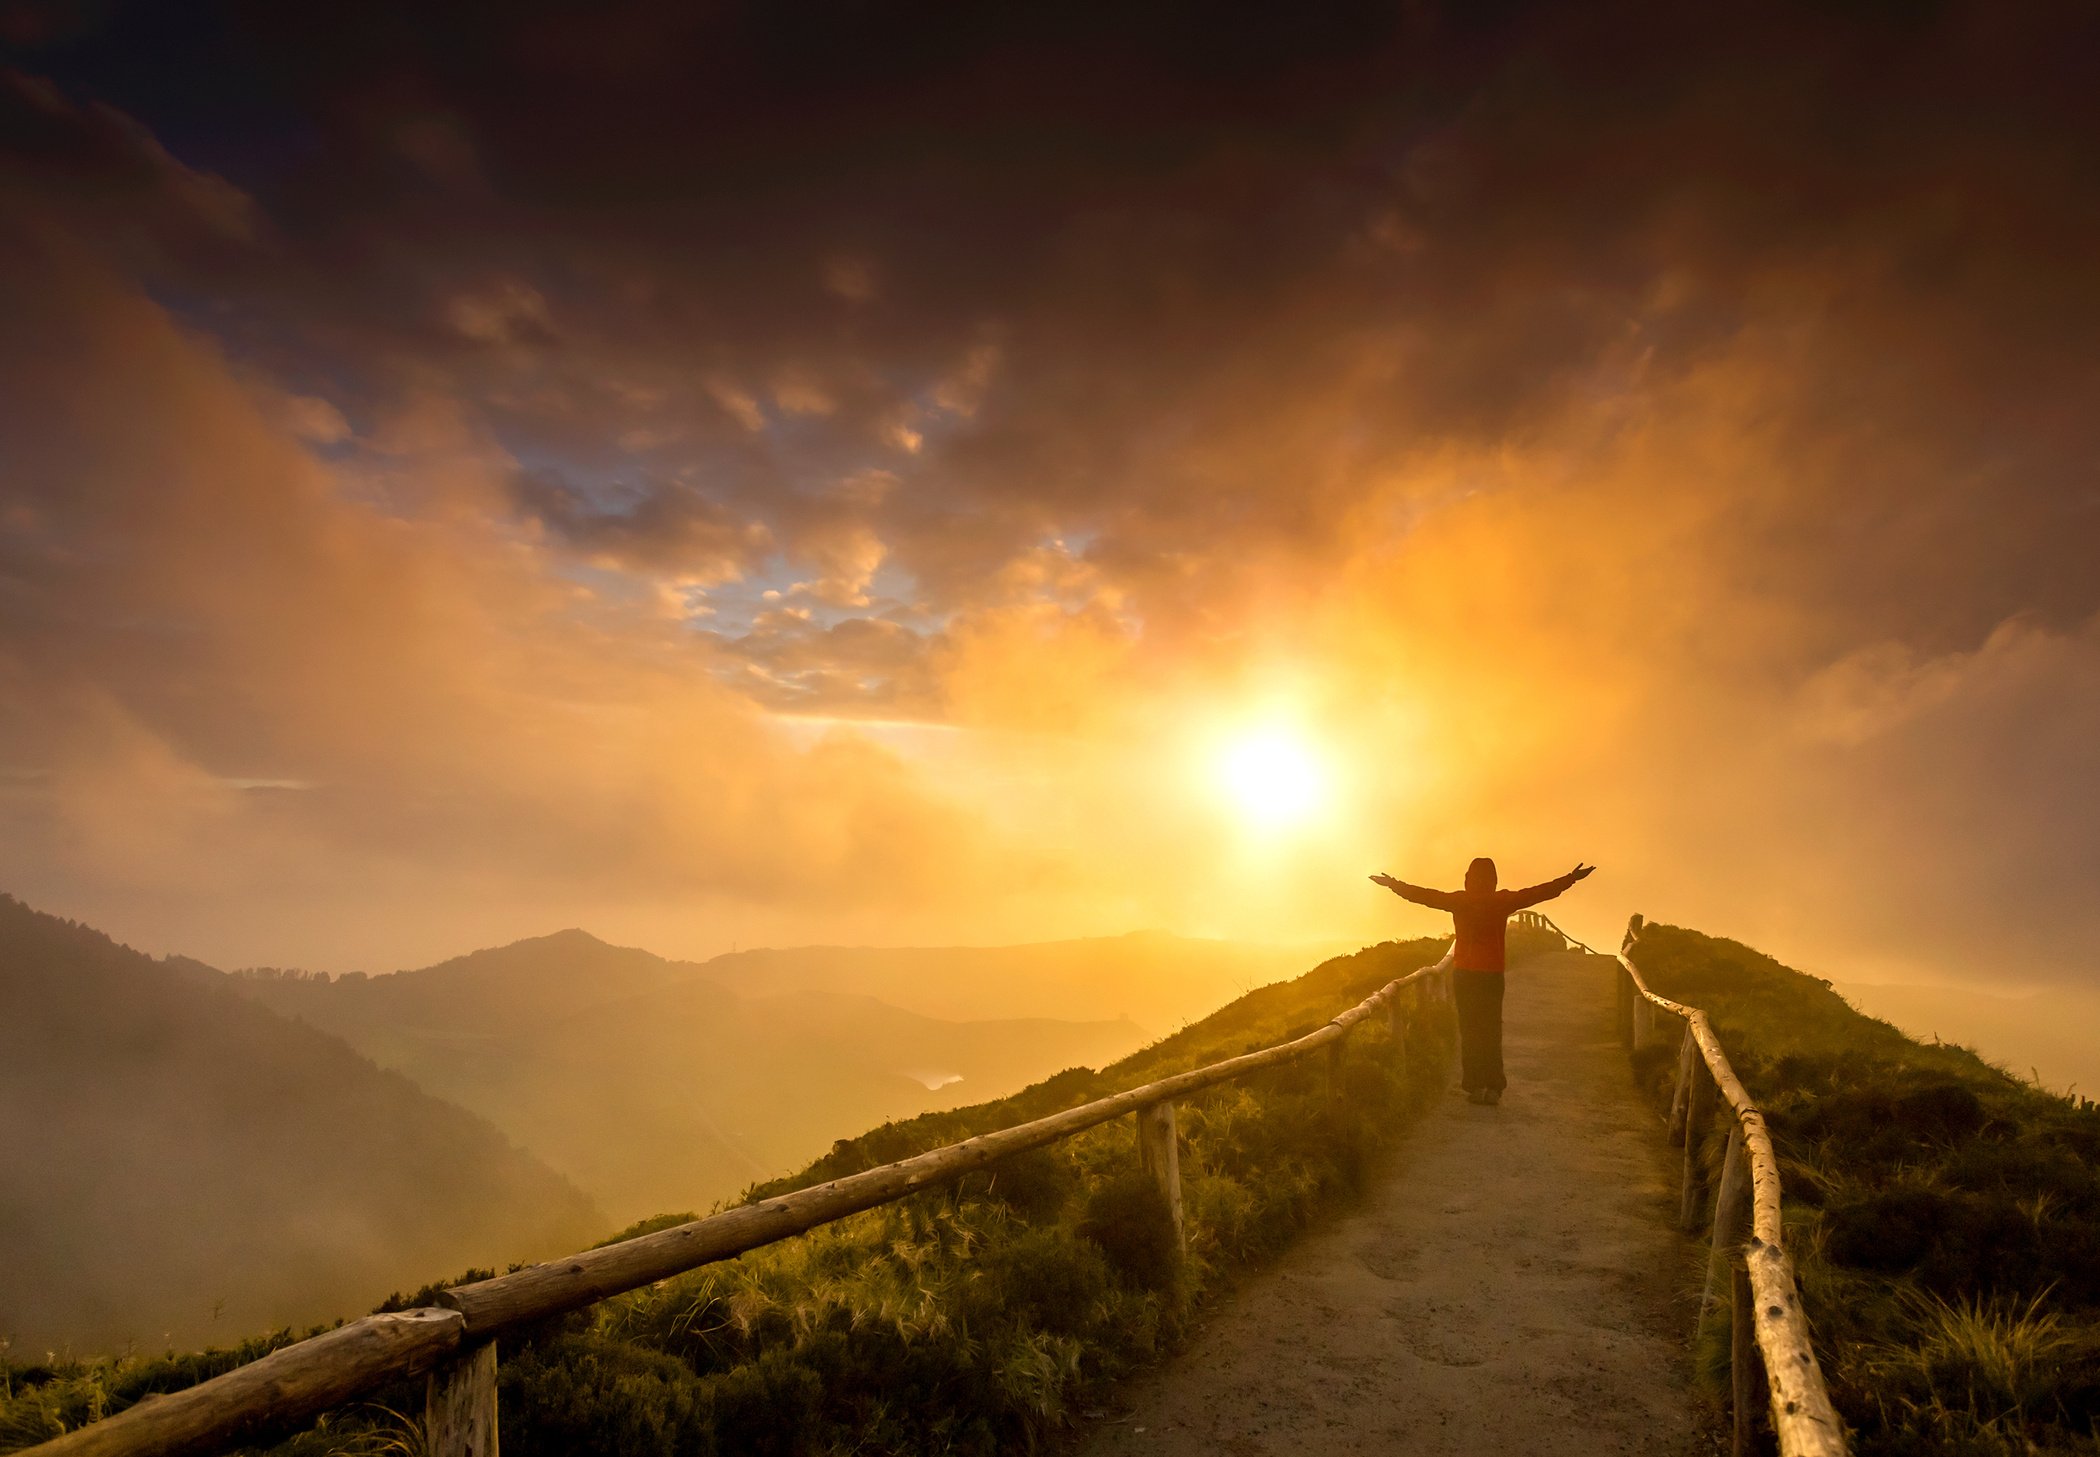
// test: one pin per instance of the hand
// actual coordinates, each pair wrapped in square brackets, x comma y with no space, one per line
[1385,880]
[1582,872]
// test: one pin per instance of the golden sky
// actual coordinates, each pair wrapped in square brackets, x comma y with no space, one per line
[714,483]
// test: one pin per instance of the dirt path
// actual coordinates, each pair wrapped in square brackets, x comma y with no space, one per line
[1512,1285]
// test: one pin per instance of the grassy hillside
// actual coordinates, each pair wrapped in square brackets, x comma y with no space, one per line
[177,1163]
[650,1083]
[1946,1216]
[970,1319]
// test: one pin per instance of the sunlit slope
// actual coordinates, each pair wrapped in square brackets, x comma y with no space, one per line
[177,1164]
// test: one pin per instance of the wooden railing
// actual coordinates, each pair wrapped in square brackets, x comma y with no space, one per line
[1768,1332]
[454,1342]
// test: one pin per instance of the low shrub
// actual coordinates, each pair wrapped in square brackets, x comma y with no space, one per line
[1036,1185]
[1127,1219]
[582,1395]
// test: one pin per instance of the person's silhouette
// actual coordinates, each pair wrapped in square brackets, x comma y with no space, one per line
[1481,914]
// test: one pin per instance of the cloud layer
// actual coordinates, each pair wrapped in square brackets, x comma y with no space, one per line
[482,466]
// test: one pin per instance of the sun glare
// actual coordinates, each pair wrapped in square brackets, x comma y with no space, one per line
[1272,778]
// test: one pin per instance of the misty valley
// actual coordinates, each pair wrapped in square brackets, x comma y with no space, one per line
[193,1155]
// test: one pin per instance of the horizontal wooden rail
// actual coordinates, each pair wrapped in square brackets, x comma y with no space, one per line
[287,1386]
[1766,1298]
[303,1380]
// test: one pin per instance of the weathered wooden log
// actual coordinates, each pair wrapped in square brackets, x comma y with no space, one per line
[1159,1151]
[459,1406]
[282,1390]
[1803,1419]
[1743,1361]
[1681,1094]
[1336,1076]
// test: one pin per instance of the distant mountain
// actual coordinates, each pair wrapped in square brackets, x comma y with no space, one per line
[659,1084]
[408,1018]
[1159,981]
[180,1164]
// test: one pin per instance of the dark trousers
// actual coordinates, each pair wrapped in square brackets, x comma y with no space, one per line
[1479,997]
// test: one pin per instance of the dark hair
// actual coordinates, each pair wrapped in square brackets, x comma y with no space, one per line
[1480,875]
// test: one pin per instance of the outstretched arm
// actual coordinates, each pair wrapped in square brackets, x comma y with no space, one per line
[1531,895]
[1421,895]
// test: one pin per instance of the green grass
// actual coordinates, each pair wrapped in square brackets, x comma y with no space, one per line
[976,1318]
[1945,1215]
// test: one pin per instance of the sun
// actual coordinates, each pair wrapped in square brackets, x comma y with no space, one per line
[1273,778]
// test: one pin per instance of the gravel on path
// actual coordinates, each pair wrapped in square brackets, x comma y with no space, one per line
[1513,1283]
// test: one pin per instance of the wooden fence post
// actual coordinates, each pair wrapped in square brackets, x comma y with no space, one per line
[459,1405]
[1681,1095]
[1698,1113]
[1643,1021]
[1334,1066]
[1396,1029]
[1159,1153]
[1731,1228]
[1624,983]
[1745,1365]
[1731,1218]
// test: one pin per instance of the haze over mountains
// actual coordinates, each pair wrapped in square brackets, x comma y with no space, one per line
[190,1154]
[178,1164]
[661,1085]
[2045,1036]
[1157,980]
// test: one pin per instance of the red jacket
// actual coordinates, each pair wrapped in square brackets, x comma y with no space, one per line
[1482,916]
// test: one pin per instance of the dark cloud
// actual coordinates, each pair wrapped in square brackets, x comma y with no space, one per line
[109,172]
[619,234]
[651,525]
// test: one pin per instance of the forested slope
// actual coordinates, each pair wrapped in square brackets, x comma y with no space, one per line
[178,1164]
